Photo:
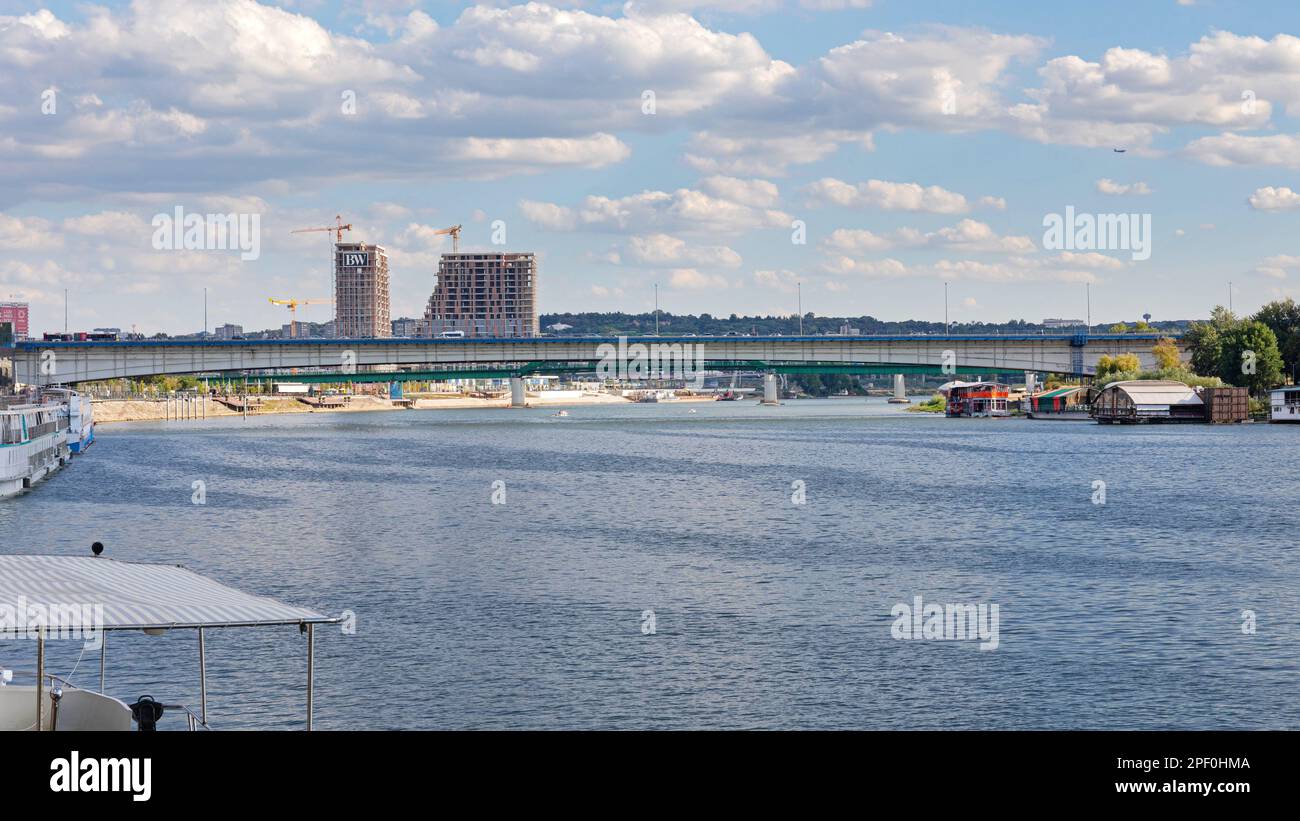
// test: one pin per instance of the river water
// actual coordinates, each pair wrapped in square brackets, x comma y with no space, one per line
[531,613]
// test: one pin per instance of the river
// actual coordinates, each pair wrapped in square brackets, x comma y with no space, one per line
[767,613]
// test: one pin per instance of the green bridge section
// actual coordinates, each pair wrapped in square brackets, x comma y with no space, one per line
[552,369]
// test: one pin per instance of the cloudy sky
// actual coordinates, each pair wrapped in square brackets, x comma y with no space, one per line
[689,143]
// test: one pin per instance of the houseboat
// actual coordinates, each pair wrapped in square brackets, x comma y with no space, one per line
[1148,400]
[1284,404]
[33,444]
[1073,402]
[976,399]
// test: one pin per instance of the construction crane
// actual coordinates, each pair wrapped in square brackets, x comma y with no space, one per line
[338,228]
[455,237]
[293,304]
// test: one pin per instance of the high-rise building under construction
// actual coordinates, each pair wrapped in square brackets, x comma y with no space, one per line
[361,291]
[480,294]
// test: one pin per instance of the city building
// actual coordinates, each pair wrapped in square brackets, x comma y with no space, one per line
[16,313]
[361,291]
[483,294]
[228,331]
[406,327]
[1063,323]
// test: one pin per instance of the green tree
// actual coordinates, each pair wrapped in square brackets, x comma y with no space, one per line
[1166,354]
[1248,356]
[1283,317]
[1122,363]
[1205,340]
[1119,328]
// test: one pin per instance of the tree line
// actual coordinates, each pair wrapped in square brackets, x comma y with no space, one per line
[1258,352]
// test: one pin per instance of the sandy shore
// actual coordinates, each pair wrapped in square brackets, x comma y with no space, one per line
[131,410]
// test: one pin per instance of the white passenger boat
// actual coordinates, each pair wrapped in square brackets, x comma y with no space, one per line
[79,410]
[45,599]
[33,444]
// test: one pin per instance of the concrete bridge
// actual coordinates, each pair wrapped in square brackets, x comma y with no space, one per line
[45,363]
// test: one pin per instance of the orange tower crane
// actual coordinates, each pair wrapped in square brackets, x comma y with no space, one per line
[455,237]
[338,228]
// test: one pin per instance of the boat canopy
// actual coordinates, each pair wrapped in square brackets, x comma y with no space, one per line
[137,595]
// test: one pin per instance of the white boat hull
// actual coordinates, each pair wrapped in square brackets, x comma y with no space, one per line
[29,449]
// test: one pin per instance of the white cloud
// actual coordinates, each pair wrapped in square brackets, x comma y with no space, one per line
[549,215]
[770,156]
[1237,149]
[29,233]
[684,210]
[690,279]
[663,250]
[967,235]
[1012,269]
[783,280]
[595,151]
[1277,267]
[1108,186]
[888,196]
[756,193]
[1274,199]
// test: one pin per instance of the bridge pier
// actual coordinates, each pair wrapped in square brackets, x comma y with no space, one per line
[900,391]
[770,394]
[517,399]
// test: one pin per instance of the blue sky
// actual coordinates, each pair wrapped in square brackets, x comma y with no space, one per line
[917,143]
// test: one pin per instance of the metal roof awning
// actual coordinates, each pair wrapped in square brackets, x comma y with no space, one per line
[116,595]
[1052,394]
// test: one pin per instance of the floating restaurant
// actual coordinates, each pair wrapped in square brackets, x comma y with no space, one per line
[976,399]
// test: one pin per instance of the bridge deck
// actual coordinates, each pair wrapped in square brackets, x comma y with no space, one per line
[38,362]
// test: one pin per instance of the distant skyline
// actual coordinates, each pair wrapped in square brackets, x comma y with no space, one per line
[678,142]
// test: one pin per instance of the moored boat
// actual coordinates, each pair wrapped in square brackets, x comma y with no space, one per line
[79,413]
[33,444]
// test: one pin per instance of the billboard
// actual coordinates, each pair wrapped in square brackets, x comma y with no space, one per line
[15,313]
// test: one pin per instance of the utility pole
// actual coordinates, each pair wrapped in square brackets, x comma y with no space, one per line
[65,310]
[945,309]
[1087,288]
[205,313]
[656,309]
[1230,297]
[799,286]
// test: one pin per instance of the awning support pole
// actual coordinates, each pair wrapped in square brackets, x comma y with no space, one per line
[40,678]
[311,669]
[103,648]
[203,680]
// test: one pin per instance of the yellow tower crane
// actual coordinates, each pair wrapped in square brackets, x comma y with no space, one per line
[292,305]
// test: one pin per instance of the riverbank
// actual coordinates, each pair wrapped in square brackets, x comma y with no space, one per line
[157,410]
